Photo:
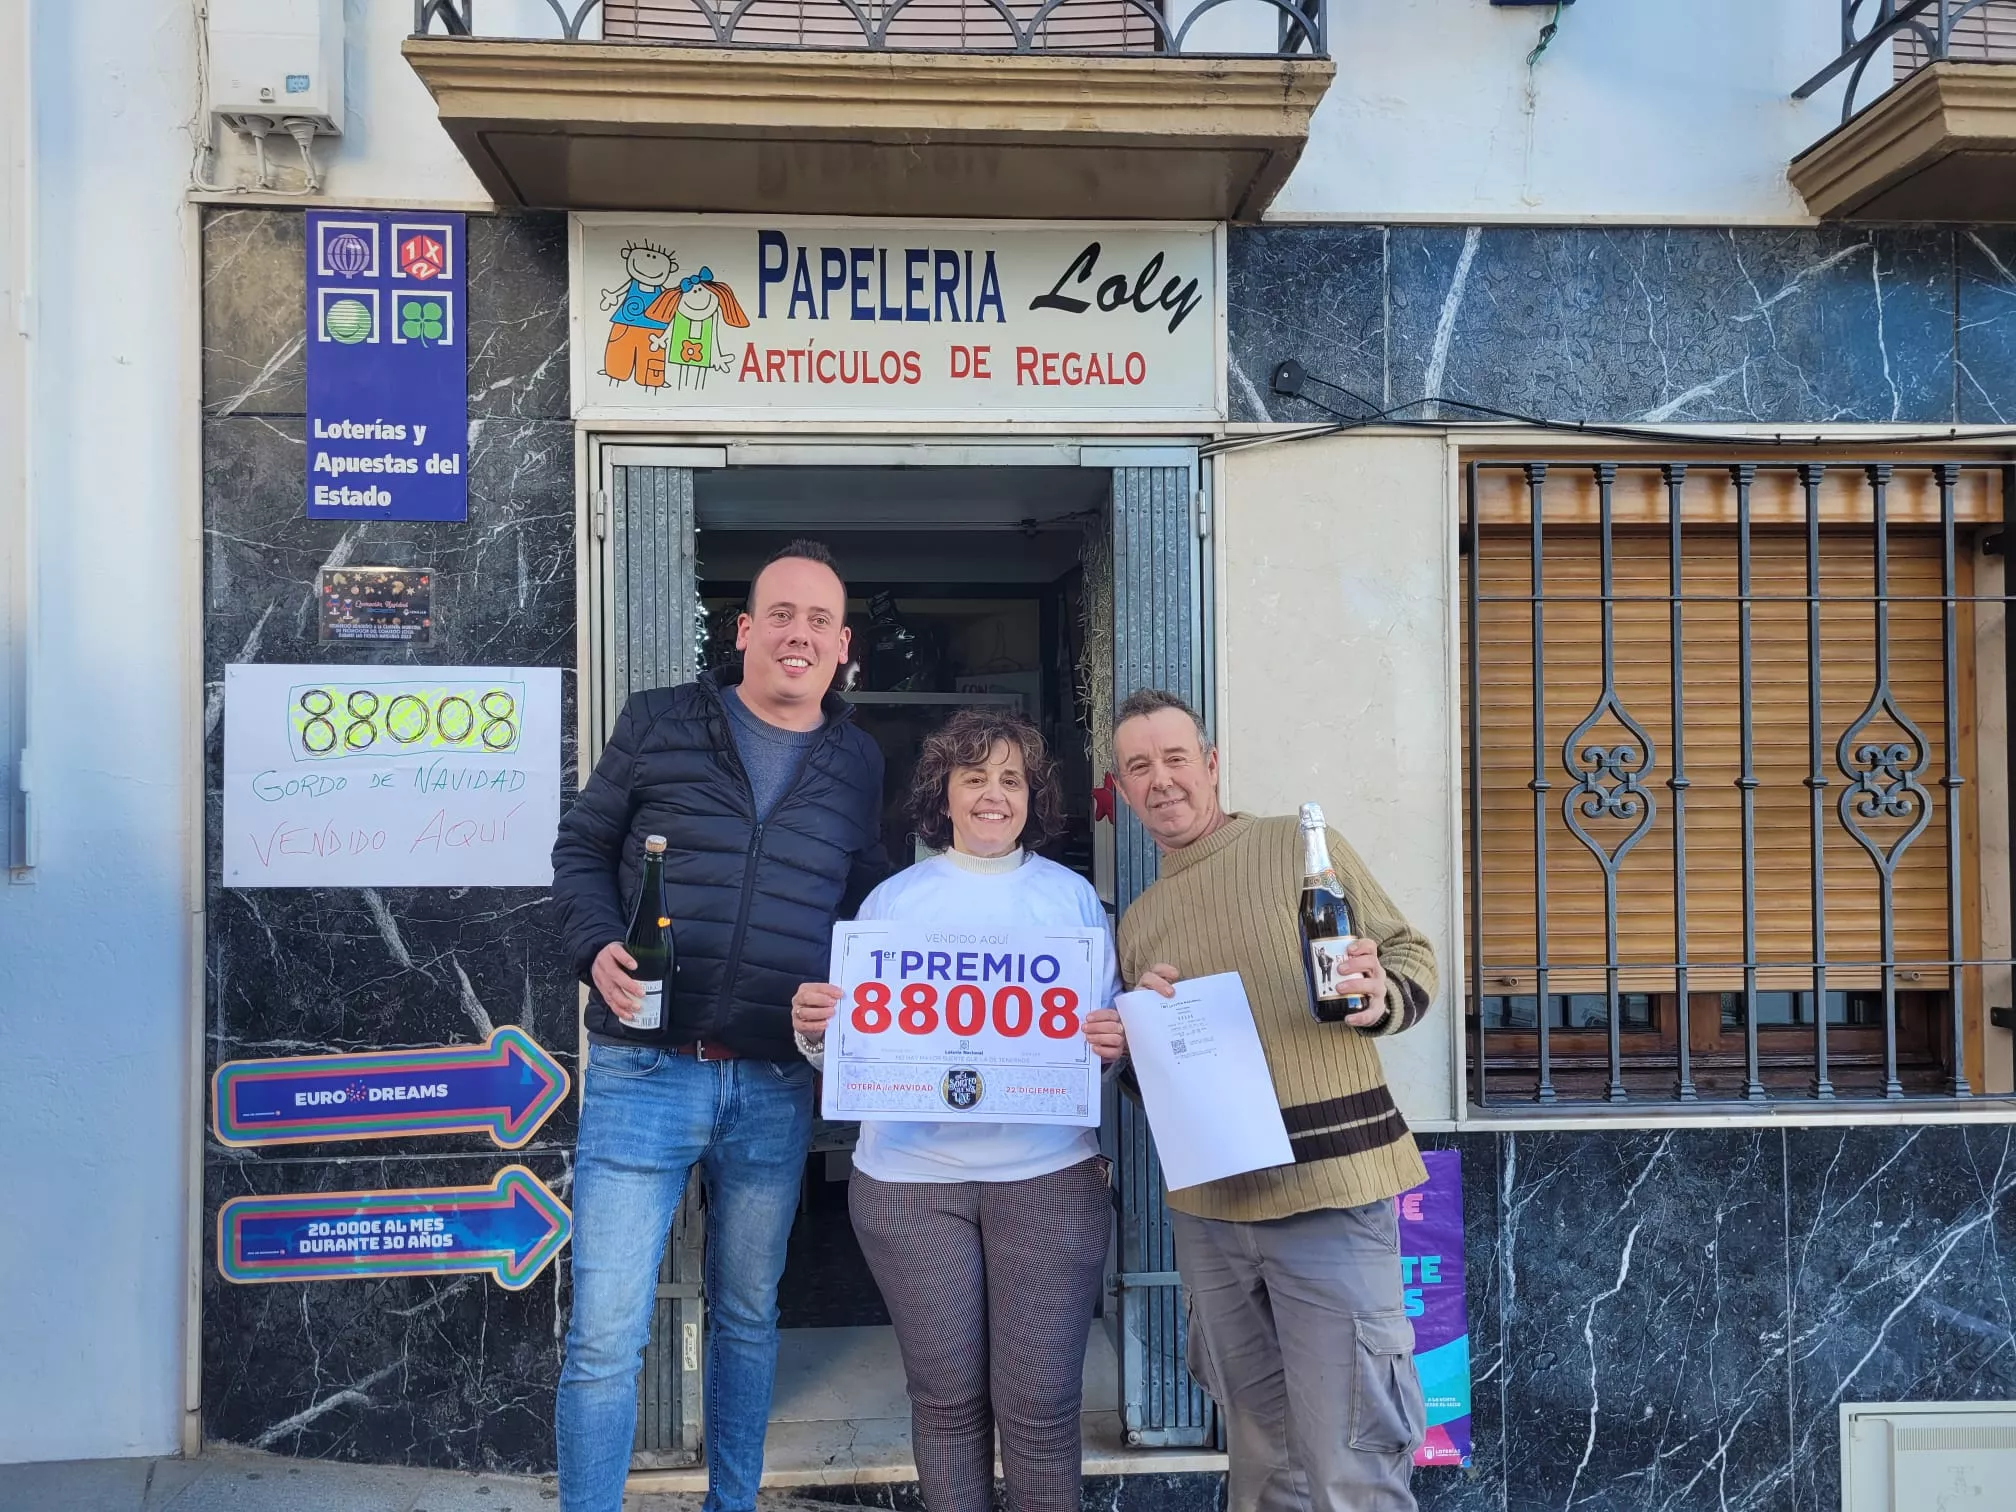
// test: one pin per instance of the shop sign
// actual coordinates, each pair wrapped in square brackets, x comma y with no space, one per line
[964,1024]
[698,317]
[509,1230]
[388,380]
[1431,1279]
[506,1089]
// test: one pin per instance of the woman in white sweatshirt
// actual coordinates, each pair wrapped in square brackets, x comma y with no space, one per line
[987,1240]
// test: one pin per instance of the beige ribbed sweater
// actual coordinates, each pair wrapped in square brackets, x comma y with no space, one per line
[1228,903]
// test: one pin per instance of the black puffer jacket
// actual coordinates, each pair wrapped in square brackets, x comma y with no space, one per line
[752,905]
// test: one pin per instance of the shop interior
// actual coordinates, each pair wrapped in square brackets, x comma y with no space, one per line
[966,586]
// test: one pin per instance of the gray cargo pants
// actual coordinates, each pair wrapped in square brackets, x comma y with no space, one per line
[1299,1330]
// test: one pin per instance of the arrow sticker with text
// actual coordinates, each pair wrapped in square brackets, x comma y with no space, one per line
[509,1230]
[506,1089]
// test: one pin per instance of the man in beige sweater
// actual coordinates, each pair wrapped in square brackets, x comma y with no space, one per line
[1297,1325]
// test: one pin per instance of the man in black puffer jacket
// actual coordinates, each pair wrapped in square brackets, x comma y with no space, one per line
[770,800]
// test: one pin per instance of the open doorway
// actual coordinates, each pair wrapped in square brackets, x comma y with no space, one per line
[1055,578]
[966,586]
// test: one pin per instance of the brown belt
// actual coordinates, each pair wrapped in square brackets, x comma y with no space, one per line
[707,1050]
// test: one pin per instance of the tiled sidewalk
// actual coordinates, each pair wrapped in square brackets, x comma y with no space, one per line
[238,1480]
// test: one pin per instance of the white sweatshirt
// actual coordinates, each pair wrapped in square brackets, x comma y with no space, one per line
[1010,892]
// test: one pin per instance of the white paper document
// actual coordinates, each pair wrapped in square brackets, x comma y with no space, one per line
[1204,1079]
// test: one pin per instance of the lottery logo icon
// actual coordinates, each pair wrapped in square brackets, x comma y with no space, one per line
[348,253]
[348,321]
[962,1088]
[423,257]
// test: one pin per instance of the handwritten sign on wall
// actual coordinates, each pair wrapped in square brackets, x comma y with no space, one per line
[353,776]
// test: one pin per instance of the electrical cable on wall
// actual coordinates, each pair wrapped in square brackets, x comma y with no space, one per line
[1546,35]
[202,135]
[254,129]
[1290,380]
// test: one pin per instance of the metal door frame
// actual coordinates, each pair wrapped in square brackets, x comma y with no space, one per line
[1161,522]
[642,497]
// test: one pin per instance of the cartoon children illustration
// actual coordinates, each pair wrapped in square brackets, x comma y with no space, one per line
[636,348]
[693,344]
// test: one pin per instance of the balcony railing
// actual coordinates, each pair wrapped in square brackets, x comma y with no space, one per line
[1058,28]
[1913,33]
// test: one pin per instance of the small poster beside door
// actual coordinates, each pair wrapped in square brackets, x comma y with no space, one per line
[1431,1280]
[964,1024]
[377,604]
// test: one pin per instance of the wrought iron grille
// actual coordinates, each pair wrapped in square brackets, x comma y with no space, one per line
[1720,833]
[1206,29]
[1914,33]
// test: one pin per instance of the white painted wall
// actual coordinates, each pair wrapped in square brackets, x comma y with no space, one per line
[1640,109]
[94,1000]
[393,149]
[1336,577]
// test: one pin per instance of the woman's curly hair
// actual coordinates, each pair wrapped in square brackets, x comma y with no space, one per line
[968,739]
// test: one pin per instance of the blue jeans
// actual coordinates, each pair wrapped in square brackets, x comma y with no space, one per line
[647,1117]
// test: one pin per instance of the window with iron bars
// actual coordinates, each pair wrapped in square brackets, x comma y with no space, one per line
[1723,779]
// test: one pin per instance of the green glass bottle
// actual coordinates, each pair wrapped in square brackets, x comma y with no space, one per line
[650,938]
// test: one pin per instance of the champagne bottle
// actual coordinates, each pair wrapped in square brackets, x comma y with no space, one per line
[650,938]
[1327,926]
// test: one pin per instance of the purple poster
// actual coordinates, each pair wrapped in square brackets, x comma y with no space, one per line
[388,383]
[1431,1273]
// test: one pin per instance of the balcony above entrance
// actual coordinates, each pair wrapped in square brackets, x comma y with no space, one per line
[1043,109]
[1928,124]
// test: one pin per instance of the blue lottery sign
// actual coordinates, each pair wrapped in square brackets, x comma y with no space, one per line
[388,391]
[509,1230]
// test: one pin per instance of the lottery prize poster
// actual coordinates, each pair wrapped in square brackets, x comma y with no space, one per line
[388,370]
[939,1023]
[361,776]
[1431,1275]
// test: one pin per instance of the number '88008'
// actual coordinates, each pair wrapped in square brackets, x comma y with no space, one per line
[966,1010]
[335,722]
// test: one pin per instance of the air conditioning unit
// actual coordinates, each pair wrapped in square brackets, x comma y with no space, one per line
[278,61]
[1928,1456]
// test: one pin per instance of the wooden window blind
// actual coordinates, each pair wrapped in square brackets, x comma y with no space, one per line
[929,25]
[1987,35]
[1711,722]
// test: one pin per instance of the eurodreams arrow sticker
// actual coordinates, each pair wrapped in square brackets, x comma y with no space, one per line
[506,1089]
[509,1230]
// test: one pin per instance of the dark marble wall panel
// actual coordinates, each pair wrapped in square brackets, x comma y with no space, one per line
[255,288]
[1986,260]
[1315,293]
[518,317]
[1901,1278]
[451,1371]
[456,1371]
[1646,324]
[1644,1307]
[1678,324]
